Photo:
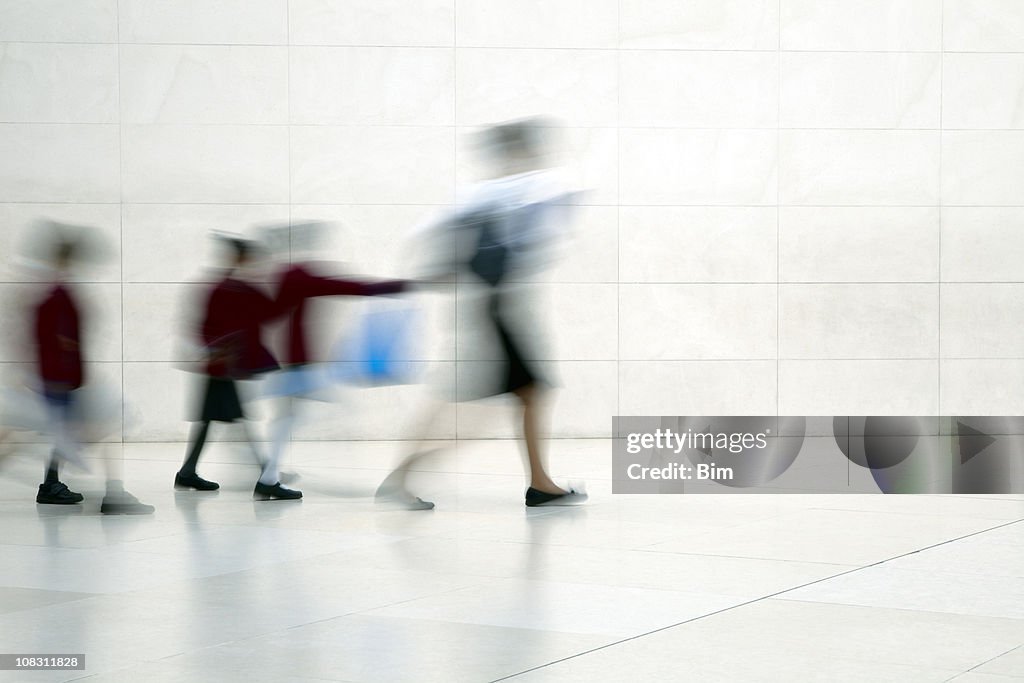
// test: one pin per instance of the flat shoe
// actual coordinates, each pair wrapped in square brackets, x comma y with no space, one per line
[194,481]
[536,498]
[274,492]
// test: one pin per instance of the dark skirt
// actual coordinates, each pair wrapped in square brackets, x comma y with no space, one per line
[220,401]
[517,372]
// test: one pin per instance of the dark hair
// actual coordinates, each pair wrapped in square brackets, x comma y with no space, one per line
[516,138]
[64,251]
[242,248]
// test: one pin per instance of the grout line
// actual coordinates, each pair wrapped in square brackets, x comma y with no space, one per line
[618,210]
[756,600]
[517,48]
[938,330]
[996,677]
[778,217]
[455,180]
[120,216]
[725,207]
[475,126]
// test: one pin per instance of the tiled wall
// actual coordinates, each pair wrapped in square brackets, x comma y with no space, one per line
[802,206]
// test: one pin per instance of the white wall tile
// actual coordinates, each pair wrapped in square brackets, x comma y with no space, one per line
[697,244]
[697,322]
[852,321]
[983,244]
[583,322]
[204,84]
[496,417]
[593,162]
[100,305]
[664,166]
[59,163]
[372,165]
[982,168]
[700,24]
[860,90]
[379,241]
[982,387]
[372,85]
[982,320]
[859,244]
[173,243]
[563,24]
[861,167]
[584,399]
[260,22]
[71,21]
[982,91]
[983,25]
[577,87]
[589,253]
[158,398]
[160,321]
[367,124]
[105,402]
[866,25]
[372,22]
[58,83]
[21,250]
[697,388]
[858,387]
[18,301]
[699,89]
[205,164]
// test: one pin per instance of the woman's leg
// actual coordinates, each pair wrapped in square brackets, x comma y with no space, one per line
[394,486]
[531,397]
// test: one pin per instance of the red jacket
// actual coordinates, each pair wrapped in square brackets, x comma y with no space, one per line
[235,313]
[57,340]
[298,283]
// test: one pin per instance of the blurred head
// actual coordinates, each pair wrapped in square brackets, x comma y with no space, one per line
[62,247]
[237,251]
[518,146]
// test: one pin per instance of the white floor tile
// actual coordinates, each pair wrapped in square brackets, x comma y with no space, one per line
[710,587]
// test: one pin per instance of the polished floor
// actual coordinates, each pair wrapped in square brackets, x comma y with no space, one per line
[216,587]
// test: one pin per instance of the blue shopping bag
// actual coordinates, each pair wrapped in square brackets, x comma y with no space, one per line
[378,351]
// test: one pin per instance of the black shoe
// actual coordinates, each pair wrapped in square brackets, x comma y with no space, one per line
[274,492]
[56,493]
[194,481]
[124,504]
[536,498]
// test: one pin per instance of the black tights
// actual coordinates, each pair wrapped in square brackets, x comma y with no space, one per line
[199,431]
